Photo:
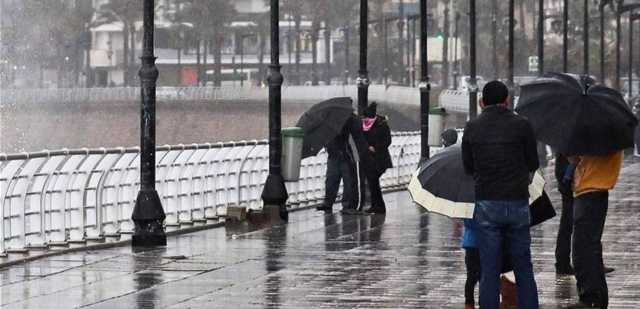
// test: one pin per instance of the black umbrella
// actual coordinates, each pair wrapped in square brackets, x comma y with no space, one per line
[441,185]
[323,122]
[576,117]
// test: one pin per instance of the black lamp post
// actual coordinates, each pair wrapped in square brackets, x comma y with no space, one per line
[456,67]
[148,215]
[473,87]
[494,37]
[363,78]
[274,194]
[541,21]
[424,86]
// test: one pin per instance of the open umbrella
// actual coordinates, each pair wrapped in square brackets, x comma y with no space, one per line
[323,122]
[576,117]
[441,185]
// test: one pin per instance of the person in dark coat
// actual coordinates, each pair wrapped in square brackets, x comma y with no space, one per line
[345,152]
[378,136]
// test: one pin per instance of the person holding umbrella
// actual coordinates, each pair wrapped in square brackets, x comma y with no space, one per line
[592,125]
[499,150]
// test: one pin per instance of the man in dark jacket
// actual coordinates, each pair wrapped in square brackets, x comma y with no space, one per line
[344,153]
[499,150]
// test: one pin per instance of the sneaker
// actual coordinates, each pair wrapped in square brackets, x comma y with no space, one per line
[324,208]
[376,210]
[469,306]
[565,271]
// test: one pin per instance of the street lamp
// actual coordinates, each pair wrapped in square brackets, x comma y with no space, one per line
[148,215]
[363,78]
[274,194]
[424,85]
[473,87]
[511,45]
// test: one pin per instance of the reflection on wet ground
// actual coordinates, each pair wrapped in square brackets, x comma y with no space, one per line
[406,259]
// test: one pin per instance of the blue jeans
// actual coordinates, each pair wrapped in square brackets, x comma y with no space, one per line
[505,223]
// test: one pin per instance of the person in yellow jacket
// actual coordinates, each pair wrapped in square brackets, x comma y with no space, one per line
[594,177]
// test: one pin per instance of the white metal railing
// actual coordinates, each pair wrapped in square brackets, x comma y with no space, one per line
[58,198]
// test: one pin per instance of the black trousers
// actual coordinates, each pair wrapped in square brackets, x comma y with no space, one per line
[371,181]
[589,214]
[340,169]
[563,242]
[472,262]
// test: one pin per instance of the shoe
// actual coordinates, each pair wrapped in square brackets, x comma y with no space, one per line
[350,211]
[581,305]
[565,271]
[608,269]
[469,306]
[508,293]
[376,210]
[324,208]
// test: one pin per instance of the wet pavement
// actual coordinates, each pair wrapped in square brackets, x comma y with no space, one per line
[406,259]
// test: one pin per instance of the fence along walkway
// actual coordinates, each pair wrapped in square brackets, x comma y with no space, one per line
[71,197]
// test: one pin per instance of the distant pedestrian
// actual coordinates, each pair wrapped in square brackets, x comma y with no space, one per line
[378,136]
[499,150]
[564,176]
[342,162]
[594,177]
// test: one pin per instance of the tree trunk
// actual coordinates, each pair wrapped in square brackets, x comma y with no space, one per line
[125,54]
[204,61]
[198,68]
[218,60]
[298,21]
[327,53]
[314,53]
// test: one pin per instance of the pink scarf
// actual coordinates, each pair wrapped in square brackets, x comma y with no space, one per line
[367,123]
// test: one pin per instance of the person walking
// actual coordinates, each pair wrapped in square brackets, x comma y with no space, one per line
[564,176]
[342,162]
[499,150]
[378,137]
[594,177]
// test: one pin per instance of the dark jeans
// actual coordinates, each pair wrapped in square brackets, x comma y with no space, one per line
[371,181]
[340,169]
[563,243]
[589,214]
[503,223]
[472,262]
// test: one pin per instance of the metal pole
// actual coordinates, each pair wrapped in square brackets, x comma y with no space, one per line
[424,86]
[275,194]
[473,88]
[385,61]
[511,44]
[630,66]
[565,36]
[402,67]
[540,37]
[327,53]
[148,214]
[456,66]
[602,46]
[445,48]
[618,43]
[363,78]
[585,31]
[314,54]
[241,60]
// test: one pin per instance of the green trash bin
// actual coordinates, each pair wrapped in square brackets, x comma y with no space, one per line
[292,139]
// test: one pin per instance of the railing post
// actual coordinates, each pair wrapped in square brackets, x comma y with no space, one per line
[425,87]
[148,215]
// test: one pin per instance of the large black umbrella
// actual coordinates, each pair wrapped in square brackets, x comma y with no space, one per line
[441,185]
[323,122]
[576,117]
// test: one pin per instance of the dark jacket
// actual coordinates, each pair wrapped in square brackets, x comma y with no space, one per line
[339,148]
[499,150]
[379,136]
